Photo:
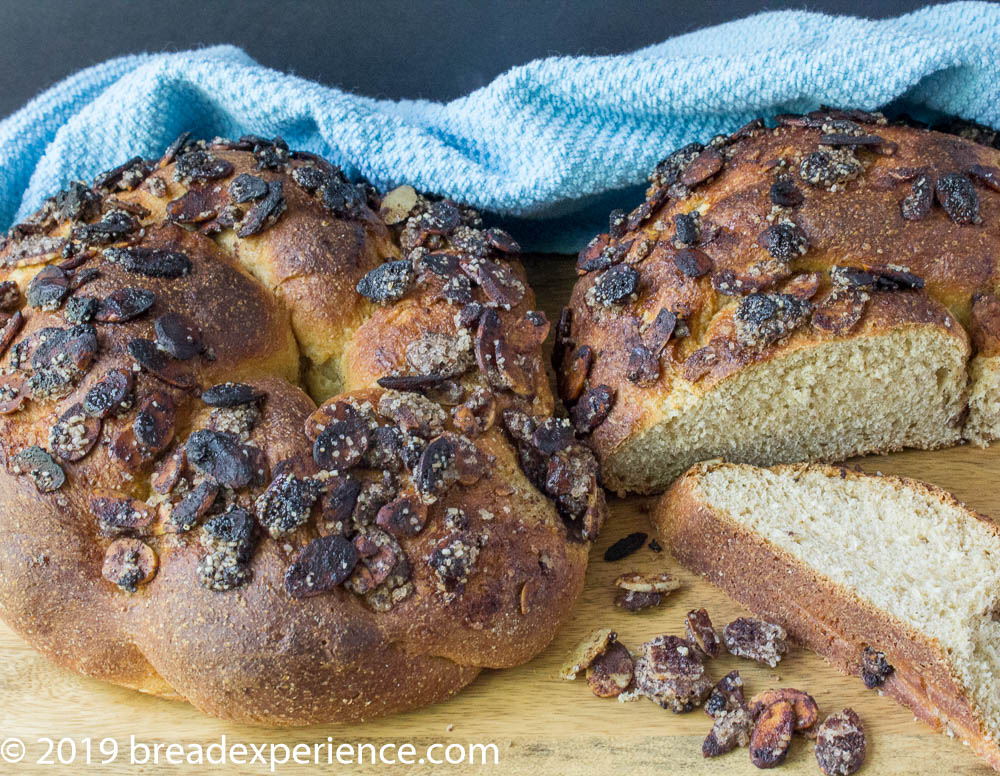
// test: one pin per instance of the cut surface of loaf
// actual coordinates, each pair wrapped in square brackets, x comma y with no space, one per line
[814,403]
[812,291]
[179,516]
[850,564]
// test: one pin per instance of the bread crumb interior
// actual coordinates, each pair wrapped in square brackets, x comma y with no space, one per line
[846,397]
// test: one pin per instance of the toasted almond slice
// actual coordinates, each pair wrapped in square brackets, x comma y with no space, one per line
[12,395]
[611,673]
[803,704]
[118,513]
[129,563]
[587,651]
[647,583]
[701,634]
[772,735]
[631,601]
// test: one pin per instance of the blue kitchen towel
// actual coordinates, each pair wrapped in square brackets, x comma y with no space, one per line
[549,145]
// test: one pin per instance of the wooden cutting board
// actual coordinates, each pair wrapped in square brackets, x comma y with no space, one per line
[539,723]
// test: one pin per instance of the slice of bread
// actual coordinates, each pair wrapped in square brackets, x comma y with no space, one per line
[755,309]
[853,565]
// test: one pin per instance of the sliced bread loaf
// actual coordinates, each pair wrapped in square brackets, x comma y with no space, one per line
[789,294]
[885,577]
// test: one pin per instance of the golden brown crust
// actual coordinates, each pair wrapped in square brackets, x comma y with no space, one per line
[985,324]
[817,612]
[752,239]
[240,618]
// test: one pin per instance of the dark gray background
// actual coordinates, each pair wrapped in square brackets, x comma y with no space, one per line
[383,48]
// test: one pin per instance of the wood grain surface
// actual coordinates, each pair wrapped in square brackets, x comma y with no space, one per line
[540,724]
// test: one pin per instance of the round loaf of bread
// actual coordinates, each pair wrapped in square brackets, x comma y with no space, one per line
[178,514]
[816,290]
